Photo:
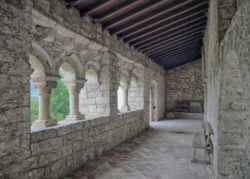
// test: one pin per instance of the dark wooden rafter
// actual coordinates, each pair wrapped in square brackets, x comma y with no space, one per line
[164,27]
[170,34]
[190,44]
[160,22]
[198,20]
[123,7]
[179,37]
[134,14]
[150,19]
[180,53]
[173,43]
[167,31]
[173,47]
[184,49]
[92,7]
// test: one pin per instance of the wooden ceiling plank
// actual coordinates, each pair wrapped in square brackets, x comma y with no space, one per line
[163,20]
[159,29]
[185,35]
[195,21]
[171,34]
[92,7]
[183,40]
[123,6]
[182,50]
[152,17]
[134,15]
[179,45]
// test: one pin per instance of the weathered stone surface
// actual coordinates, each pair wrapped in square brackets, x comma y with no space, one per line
[226,78]
[184,83]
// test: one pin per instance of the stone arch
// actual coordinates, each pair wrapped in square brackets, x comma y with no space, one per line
[43,57]
[69,71]
[124,78]
[153,101]
[72,61]
[136,91]
[37,66]
[94,100]
[133,80]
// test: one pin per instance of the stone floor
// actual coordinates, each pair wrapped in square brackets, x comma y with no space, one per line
[161,153]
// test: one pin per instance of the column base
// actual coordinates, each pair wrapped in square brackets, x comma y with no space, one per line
[74,117]
[44,123]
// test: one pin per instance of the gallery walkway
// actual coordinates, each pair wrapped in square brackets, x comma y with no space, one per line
[161,153]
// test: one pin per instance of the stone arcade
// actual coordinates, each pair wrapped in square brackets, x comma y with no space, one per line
[118,81]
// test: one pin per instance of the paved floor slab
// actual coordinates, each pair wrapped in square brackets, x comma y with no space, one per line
[164,152]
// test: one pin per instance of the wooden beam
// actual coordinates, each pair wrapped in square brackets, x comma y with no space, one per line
[165,41]
[164,27]
[170,34]
[195,21]
[135,14]
[150,19]
[154,24]
[173,43]
[126,5]
[181,50]
[92,7]
[174,46]
[196,45]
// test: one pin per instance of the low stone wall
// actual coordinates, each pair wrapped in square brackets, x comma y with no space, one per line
[62,148]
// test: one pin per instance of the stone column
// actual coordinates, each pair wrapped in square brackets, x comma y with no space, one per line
[125,106]
[74,91]
[44,92]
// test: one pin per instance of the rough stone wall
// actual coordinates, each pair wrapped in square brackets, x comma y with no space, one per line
[184,83]
[227,104]
[15,41]
[56,35]
[226,10]
[234,103]
[60,149]
[211,75]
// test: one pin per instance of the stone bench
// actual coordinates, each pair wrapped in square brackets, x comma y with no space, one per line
[202,140]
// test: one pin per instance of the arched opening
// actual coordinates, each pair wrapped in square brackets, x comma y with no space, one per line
[119,97]
[122,93]
[135,94]
[36,77]
[153,111]
[93,100]
[60,102]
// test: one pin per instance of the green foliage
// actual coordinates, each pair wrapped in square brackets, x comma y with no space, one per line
[60,101]
[33,109]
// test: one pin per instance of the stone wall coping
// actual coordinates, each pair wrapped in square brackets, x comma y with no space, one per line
[64,123]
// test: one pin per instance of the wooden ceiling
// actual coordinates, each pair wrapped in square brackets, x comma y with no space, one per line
[169,32]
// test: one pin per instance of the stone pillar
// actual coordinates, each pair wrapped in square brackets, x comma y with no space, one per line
[44,92]
[125,106]
[74,91]
[111,60]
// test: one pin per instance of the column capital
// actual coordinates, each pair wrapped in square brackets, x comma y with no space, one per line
[124,87]
[45,86]
[73,86]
